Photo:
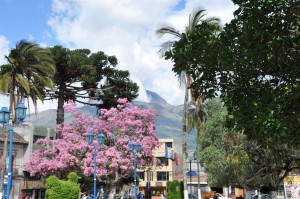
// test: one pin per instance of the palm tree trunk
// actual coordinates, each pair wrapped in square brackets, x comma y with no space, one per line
[184,123]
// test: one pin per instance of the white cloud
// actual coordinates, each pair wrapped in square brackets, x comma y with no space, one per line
[126,29]
[4,48]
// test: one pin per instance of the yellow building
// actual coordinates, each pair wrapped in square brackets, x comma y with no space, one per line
[157,176]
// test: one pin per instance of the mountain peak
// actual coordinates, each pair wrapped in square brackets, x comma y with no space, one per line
[155,98]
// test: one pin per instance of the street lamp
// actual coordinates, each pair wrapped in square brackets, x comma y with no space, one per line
[4,120]
[190,174]
[135,148]
[90,139]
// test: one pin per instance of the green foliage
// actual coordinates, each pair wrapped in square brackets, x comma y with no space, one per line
[89,69]
[118,85]
[73,177]
[174,189]
[230,158]
[29,70]
[260,63]
[196,53]
[59,189]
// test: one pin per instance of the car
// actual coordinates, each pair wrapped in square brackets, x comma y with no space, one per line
[263,196]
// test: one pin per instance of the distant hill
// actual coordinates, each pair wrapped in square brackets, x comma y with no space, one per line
[168,121]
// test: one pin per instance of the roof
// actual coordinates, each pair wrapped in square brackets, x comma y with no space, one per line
[17,138]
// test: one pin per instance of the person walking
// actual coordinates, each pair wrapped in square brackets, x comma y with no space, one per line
[27,197]
[140,196]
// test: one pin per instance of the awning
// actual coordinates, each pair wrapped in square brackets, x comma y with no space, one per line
[191,173]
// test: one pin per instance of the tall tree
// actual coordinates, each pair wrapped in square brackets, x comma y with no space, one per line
[117,85]
[260,59]
[196,116]
[114,161]
[30,68]
[80,75]
[229,157]
[260,63]
[178,52]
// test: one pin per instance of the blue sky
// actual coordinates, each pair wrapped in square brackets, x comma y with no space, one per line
[124,28]
[25,19]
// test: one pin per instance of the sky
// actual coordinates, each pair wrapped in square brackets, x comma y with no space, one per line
[124,28]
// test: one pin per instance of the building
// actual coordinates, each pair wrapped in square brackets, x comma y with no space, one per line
[22,148]
[153,180]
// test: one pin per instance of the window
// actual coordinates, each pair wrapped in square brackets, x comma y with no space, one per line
[149,175]
[162,176]
[164,161]
[157,191]
[141,175]
[169,144]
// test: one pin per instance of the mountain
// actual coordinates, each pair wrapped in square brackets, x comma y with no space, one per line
[155,98]
[168,121]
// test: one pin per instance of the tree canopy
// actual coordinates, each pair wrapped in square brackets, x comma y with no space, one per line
[56,188]
[29,70]
[89,78]
[114,161]
[260,65]
[253,65]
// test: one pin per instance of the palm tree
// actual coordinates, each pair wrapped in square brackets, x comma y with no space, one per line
[196,115]
[29,69]
[195,21]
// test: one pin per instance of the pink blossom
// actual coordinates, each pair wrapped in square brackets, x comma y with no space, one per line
[119,125]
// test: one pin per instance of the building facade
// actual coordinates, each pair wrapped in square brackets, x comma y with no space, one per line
[22,184]
[153,180]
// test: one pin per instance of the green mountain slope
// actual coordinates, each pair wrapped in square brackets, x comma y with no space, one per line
[168,121]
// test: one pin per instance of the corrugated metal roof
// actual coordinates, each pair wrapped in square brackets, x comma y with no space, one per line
[17,138]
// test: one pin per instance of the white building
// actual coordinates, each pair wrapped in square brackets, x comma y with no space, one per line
[22,148]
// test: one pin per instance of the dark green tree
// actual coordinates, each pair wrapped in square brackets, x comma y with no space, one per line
[118,85]
[175,189]
[80,74]
[260,65]
[260,82]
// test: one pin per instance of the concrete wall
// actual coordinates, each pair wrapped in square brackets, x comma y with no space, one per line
[23,152]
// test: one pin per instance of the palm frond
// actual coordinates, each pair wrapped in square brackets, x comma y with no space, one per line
[194,19]
[168,30]
[164,47]
[4,82]
[23,82]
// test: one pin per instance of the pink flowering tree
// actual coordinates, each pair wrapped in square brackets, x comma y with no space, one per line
[114,161]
